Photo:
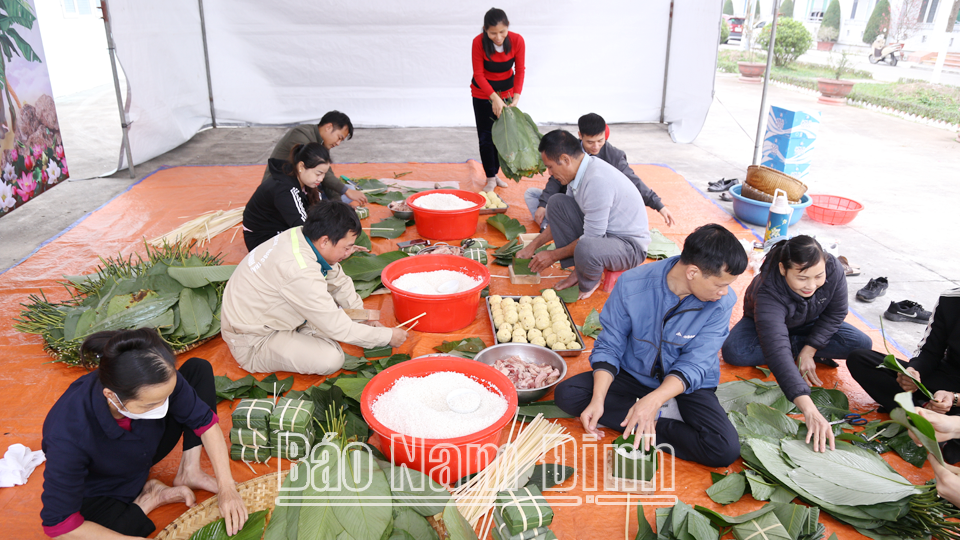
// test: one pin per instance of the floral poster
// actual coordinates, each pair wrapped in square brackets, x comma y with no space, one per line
[32,150]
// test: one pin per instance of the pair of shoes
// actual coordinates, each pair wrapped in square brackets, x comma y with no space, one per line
[906,310]
[873,289]
[726,197]
[848,269]
[491,183]
[829,362]
[722,185]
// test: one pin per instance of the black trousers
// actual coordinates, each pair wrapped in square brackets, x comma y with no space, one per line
[483,113]
[705,436]
[128,518]
[882,386]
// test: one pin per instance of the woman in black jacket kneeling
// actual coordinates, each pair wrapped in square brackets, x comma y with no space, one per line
[793,318]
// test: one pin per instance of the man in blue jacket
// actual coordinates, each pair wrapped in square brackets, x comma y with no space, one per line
[663,326]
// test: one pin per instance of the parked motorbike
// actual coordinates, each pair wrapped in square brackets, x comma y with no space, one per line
[886,53]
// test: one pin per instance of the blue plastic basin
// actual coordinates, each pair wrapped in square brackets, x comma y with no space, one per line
[756,212]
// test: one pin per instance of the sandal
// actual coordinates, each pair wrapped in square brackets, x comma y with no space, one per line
[848,269]
[726,197]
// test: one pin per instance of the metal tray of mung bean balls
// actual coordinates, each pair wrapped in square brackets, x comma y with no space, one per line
[561,352]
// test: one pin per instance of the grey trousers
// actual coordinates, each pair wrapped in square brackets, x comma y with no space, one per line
[592,255]
[532,197]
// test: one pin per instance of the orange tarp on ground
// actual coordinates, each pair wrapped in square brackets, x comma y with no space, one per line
[30,384]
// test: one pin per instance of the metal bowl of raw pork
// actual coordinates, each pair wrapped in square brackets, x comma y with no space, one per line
[533,369]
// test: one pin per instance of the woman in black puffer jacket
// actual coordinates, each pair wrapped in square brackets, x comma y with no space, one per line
[793,318]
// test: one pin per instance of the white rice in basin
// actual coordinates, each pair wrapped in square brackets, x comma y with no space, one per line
[427,282]
[417,406]
[442,201]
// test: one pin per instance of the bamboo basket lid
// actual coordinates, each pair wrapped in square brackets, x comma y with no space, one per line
[769,180]
[258,494]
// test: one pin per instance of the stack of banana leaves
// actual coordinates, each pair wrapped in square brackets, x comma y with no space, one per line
[852,483]
[365,269]
[174,290]
[517,140]
[380,193]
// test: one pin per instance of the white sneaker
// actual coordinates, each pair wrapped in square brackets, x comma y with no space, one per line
[491,183]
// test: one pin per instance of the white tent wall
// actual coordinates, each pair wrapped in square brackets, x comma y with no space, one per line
[404,63]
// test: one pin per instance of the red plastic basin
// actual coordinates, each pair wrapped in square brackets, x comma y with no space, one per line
[444,460]
[444,312]
[447,224]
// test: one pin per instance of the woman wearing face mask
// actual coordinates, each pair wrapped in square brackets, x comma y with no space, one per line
[498,69]
[793,314]
[112,425]
[281,201]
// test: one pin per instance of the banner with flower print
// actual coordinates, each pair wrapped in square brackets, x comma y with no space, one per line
[32,159]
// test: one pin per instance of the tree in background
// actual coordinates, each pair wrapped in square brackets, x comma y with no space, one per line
[792,40]
[728,7]
[906,20]
[756,12]
[954,16]
[878,23]
[724,30]
[786,8]
[830,27]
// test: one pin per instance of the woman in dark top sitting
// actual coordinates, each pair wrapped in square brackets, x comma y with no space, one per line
[112,425]
[281,202]
[793,318]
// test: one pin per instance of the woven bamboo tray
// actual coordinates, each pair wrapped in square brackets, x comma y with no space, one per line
[769,180]
[258,494]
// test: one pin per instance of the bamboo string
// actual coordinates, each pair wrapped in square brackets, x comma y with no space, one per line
[411,320]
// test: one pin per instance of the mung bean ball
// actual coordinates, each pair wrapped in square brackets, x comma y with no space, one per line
[504,335]
[519,339]
[497,320]
[549,294]
[550,339]
[555,312]
[495,300]
[511,317]
[506,325]
[528,322]
[547,331]
[532,333]
[558,346]
[542,322]
[539,341]
[538,300]
[519,331]
[567,336]
[496,311]
[525,300]
[573,345]
[558,326]
[508,302]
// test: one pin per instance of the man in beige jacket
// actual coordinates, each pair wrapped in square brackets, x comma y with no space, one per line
[281,308]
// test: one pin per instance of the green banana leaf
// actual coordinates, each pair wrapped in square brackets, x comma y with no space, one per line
[644,531]
[722,520]
[890,362]
[728,490]
[383,199]
[252,529]
[352,388]
[510,227]
[377,352]
[591,325]
[759,489]
[767,527]
[414,490]
[195,314]
[904,446]
[365,267]
[130,318]
[388,228]
[660,246]
[549,409]
[318,520]
[469,347]
[907,417]
[517,140]
[198,276]
[773,417]
[457,527]
[545,476]
[353,363]
[363,483]
[363,240]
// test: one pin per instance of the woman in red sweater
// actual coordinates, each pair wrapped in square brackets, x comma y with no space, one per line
[498,68]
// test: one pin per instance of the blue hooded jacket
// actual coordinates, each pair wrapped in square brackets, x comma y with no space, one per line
[649,332]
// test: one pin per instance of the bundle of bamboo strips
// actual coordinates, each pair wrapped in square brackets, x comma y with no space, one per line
[476,497]
[203,228]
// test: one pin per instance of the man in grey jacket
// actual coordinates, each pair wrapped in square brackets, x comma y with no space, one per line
[593,139]
[599,223]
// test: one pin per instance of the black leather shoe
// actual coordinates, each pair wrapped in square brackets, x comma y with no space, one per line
[722,185]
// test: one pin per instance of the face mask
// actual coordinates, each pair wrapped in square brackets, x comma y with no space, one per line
[152,414]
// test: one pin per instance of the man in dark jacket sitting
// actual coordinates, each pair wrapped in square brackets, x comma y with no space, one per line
[593,137]
[662,329]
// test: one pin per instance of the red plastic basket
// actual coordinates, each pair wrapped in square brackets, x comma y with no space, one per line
[833,210]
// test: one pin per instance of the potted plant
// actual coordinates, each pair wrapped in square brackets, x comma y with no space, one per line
[834,91]
[750,71]
[830,27]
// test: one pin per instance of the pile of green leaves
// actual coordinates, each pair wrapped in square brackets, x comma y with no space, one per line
[466,348]
[389,228]
[379,193]
[365,269]
[344,492]
[174,290]
[252,529]
[591,325]
[778,521]
[249,387]
[511,228]
[504,254]
[517,140]
[549,409]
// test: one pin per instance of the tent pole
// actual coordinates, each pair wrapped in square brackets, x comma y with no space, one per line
[124,125]
[762,122]
[206,62]
[666,66]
